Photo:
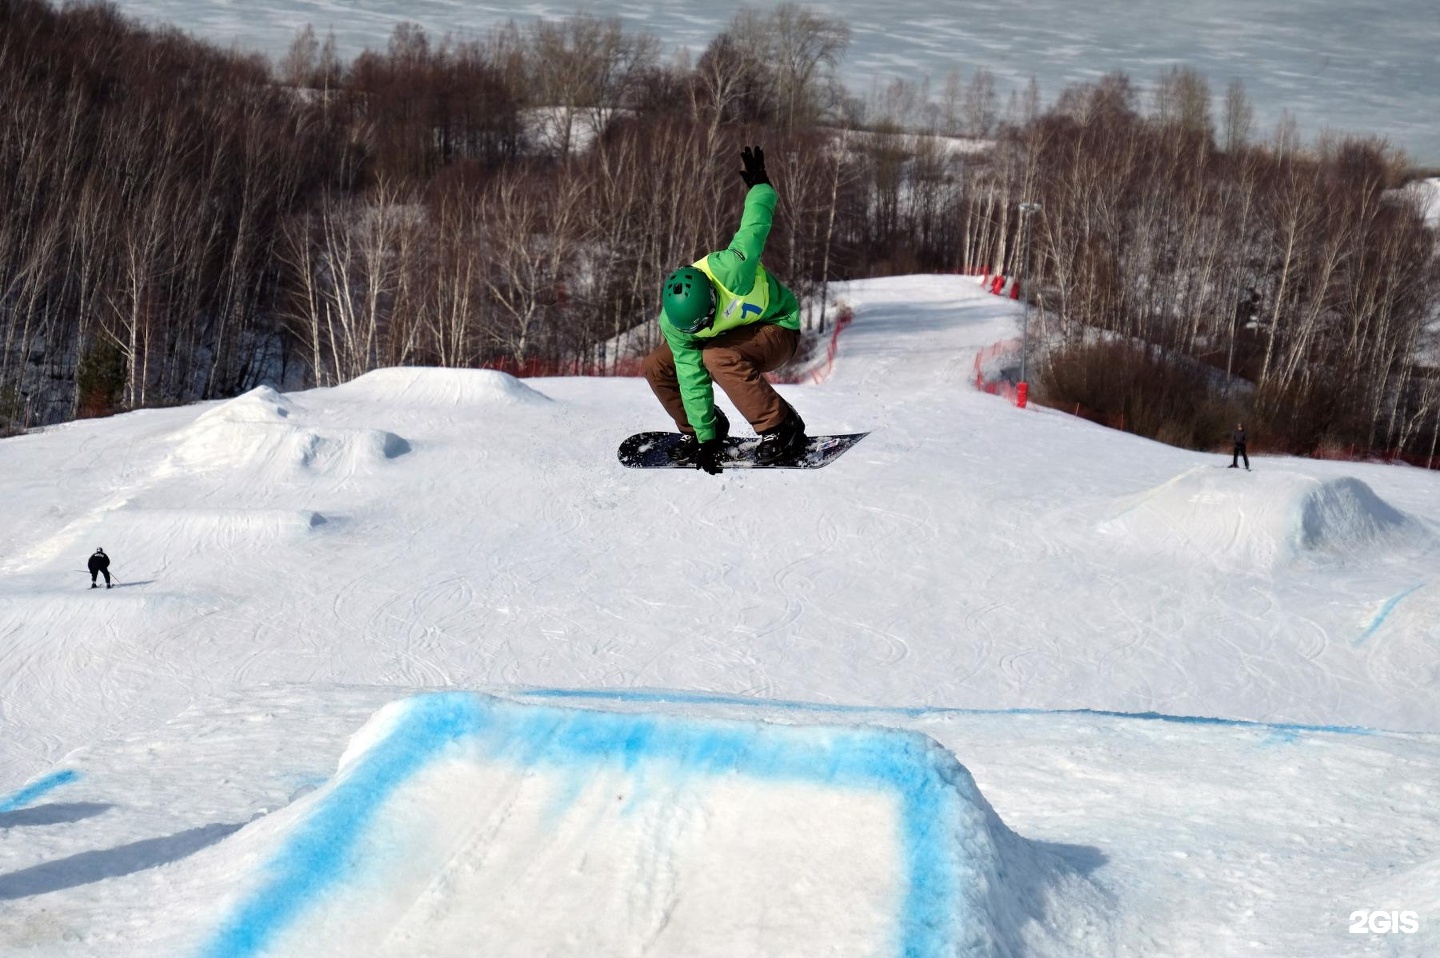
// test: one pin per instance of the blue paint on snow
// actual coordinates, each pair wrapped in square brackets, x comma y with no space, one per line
[321,849]
[1281,736]
[37,788]
[657,697]
[932,787]
[1384,613]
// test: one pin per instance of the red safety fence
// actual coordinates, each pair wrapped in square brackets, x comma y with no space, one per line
[795,374]
[1355,453]
[541,368]
[988,365]
[998,283]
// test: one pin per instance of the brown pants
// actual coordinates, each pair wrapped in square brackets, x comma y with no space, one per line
[736,361]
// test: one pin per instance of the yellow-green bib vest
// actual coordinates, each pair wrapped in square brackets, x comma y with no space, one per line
[733,309]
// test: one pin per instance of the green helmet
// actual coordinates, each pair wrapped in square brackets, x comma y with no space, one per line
[688,300]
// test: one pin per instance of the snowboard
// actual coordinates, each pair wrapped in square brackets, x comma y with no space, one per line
[651,450]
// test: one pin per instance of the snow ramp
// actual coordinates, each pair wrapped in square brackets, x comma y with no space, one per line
[1260,522]
[459,823]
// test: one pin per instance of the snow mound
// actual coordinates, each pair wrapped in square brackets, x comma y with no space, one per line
[261,428]
[457,818]
[409,385]
[1259,521]
[261,404]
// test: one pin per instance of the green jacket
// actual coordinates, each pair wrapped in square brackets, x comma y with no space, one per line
[747,294]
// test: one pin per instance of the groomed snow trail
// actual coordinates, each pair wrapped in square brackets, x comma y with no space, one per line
[434,527]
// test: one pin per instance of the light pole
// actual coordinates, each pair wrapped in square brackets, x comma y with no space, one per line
[1026,211]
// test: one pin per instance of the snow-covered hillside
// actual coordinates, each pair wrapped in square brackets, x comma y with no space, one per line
[1333,65]
[1145,704]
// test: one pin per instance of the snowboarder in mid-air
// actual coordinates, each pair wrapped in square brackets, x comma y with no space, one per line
[1237,436]
[726,320]
[99,564]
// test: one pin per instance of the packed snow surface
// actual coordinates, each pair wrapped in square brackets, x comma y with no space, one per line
[1175,708]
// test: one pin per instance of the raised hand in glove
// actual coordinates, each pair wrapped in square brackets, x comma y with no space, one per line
[709,456]
[754,172]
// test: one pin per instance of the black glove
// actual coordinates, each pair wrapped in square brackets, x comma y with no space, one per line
[754,171]
[711,452]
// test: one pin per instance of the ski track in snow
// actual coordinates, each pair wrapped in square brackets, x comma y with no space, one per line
[424,529]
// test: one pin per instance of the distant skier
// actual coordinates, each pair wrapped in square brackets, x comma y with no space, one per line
[99,563]
[726,320]
[1237,436]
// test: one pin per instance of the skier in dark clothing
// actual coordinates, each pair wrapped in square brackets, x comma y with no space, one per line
[1238,438]
[99,563]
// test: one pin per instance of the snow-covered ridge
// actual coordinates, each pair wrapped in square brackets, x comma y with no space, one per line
[1338,66]
[440,387]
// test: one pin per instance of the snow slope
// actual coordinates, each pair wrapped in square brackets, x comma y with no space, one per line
[1003,581]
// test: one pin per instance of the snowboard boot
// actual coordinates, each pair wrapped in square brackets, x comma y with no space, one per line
[785,441]
[94,586]
[687,450]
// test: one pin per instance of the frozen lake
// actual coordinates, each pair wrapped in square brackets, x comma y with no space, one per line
[1352,65]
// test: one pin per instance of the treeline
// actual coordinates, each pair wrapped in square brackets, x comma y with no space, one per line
[525,191]
[186,223]
[146,178]
[1229,280]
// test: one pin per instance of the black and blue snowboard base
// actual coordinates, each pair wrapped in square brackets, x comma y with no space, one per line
[651,450]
